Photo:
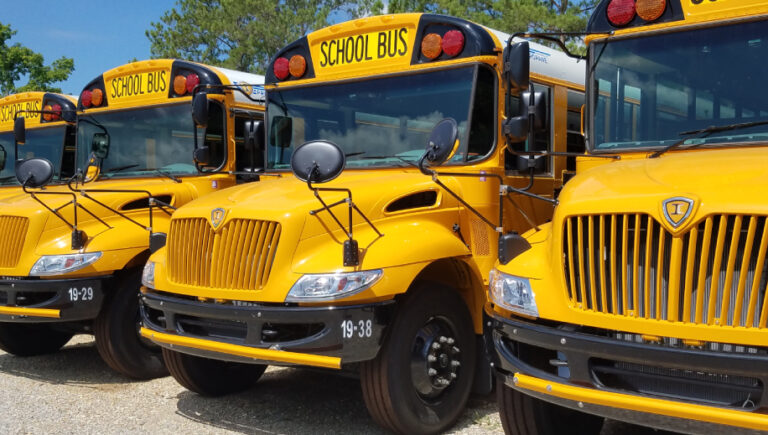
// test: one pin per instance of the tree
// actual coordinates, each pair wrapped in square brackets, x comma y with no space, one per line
[237,34]
[17,62]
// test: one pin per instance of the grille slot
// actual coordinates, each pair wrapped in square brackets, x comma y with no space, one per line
[238,256]
[14,231]
[630,265]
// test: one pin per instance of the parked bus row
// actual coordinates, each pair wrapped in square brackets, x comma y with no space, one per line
[410,198]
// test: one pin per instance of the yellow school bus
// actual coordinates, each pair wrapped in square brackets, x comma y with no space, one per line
[50,134]
[72,254]
[645,298]
[382,270]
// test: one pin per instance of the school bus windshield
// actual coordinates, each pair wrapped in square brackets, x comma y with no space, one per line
[648,90]
[40,142]
[383,121]
[140,141]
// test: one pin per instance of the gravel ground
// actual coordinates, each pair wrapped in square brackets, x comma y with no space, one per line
[73,391]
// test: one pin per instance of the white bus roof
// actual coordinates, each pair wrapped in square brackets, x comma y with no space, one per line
[252,84]
[550,62]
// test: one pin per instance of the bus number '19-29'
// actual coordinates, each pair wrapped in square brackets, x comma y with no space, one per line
[83,294]
[355,49]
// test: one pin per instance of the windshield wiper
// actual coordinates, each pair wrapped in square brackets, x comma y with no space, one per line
[408,162]
[704,132]
[119,168]
[166,174]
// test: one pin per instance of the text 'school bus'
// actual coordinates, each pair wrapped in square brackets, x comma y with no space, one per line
[50,134]
[645,298]
[294,274]
[72,254]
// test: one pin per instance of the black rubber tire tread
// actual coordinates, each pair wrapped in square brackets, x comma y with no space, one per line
[382,381]
[22,339]
[521,414]
[116,332]
[210,377]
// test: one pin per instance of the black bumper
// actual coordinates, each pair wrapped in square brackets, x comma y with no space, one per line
[352,333]
[584,359]
[75,299]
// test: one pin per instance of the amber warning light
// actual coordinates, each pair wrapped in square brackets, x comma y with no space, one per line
[622,12]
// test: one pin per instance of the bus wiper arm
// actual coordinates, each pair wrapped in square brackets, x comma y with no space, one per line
[168,175]
[704,132]
[120,168]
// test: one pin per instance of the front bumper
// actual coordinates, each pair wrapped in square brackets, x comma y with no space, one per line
[327,336]
[51,300]
[680,389]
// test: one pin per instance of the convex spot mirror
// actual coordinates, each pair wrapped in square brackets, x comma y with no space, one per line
[442,143]
[19,130]
[317,161]
[517,66]
[100,145]
[93,169]
[200,109]
[202,155]
[516,129]
[35,172]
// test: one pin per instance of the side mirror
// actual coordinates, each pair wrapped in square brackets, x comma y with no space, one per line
[19,130]
[202,155]
[200,109]
[254,135]
[93,170]
[516,129]
[3,157]
[100,145]
[281,131]
[517,66]
[69,115]
[34,172]
[526,163]
[443,142]
[317,161]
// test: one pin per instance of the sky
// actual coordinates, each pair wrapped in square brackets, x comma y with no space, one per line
[98,35]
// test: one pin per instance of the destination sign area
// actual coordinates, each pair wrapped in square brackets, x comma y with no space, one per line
[144,84]
[353,50]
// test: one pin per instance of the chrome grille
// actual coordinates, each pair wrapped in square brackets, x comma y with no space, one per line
[237,256]
[630,265]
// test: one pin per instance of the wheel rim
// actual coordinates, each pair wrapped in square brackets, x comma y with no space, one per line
[435,359]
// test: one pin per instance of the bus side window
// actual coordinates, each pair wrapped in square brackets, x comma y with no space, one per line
[214,135]
[574,140]
[542,141]
[243,156]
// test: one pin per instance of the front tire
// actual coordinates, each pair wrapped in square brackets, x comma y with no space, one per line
[22,339]
[117,333]
[210,377]
[421,379]
[525,415]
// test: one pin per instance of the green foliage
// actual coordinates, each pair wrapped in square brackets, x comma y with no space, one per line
[17,62]
[237,34]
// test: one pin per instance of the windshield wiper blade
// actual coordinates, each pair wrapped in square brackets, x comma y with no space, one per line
[408,162]
[704,132]
[119,168]
[166,174]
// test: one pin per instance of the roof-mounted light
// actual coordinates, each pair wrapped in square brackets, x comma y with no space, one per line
[297,66]
[650,10]
[97,97]
[281,68]
[56,115]
[621,12]
[432,46]
[85,98]
[453,42]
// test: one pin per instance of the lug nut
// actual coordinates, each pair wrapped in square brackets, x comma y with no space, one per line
[455,363]
[435,345]
[442,339]
[453,376]
[432,372]
[451,341]
[456,349]
[431,358]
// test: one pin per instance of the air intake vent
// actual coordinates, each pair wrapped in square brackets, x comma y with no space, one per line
[144,202]
[414,200]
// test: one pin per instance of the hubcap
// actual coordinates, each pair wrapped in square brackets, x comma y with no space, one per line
[435,358]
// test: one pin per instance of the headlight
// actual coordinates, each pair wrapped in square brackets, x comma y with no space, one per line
[513,293]
[148,275]
[60,264]
[330,286]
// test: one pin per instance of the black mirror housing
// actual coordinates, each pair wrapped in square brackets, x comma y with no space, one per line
[3,157]
[100,145]
[200,109]
[253,132]
[317,161]
[19,130]
[69,116]
[510,246]
[35,172]
[516,129]
[526,163]
[442,142]
[202,155]
[517,66]
[157,241]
